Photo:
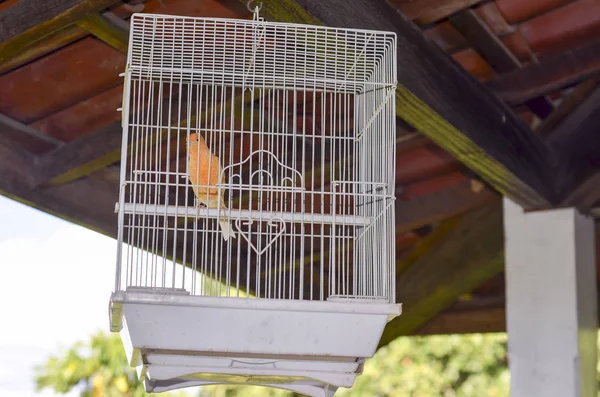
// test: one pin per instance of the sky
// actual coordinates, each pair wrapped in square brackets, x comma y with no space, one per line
[55,287]
[56,282]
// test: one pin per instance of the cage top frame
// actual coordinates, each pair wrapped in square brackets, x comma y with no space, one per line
[168,53]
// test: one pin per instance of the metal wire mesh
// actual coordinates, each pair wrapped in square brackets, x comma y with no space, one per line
[301,121]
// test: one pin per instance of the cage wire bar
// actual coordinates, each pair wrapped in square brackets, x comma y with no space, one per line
[301,120]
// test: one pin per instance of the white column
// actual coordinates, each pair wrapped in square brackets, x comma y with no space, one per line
[551,307]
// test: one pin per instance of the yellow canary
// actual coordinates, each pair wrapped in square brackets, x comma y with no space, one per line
[204,169]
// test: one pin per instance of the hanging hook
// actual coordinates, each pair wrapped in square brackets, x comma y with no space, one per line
[256,9]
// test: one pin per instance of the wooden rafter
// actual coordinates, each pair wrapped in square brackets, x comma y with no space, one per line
[489,316]
[107,27]
[480,320]
[95,151]
[439,205]
[494,51]
[80,157]
[577,142]
[467,255]
[568,104]
[484,40]
[88,202]
[29,21]
[427,315]
[438,98]
[550,74]
[23,137]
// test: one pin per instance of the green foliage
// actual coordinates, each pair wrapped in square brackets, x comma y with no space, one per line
[98,368]
[447,366]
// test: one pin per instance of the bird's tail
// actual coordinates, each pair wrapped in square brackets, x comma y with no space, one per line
[226,228]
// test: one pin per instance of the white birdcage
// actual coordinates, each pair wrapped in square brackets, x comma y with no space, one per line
[301,123]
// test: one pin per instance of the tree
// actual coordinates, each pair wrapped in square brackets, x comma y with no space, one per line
[97,368]
[448,366]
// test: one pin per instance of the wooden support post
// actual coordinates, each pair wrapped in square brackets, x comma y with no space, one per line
[551,302]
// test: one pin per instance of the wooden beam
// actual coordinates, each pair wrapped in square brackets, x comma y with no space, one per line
[29,21]
[469,254]
[425,245]
[577,144]
[15,161]
[109,28]
[424,12]
[568,104]
[443,206]
[550,74]
[80,157]
[88,202]
[23,137]
[494,51]
[482,320]
[441,100]
[90,153]
[485,41]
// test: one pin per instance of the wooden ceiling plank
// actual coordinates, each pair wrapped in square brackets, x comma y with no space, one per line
[449,106]
[452,267]
[551,74]
[494,51]
[106,27]
[29,21]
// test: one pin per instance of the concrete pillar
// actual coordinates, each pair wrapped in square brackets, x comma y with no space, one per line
[551,307]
